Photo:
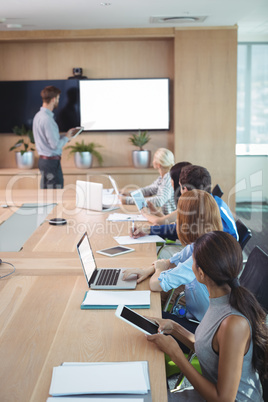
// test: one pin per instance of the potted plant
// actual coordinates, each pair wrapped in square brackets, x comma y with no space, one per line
[24,156]
[83,154]
[141,158]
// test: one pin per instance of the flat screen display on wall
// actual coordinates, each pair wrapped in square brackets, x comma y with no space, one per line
[21,100]
[124,104]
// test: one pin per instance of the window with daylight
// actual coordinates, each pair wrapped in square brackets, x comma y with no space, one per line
[252,99]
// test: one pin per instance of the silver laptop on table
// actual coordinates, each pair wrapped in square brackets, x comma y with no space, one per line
[105,278]
[90,196]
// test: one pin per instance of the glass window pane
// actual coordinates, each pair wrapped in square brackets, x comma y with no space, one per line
[241,93]
[259,95]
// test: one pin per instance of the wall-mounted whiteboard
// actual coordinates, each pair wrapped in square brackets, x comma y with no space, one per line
[124,104]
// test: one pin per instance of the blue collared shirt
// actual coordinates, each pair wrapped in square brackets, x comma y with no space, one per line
[196,294]
[182,255]
[48,140]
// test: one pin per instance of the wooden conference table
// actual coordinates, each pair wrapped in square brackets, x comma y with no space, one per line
[41,323]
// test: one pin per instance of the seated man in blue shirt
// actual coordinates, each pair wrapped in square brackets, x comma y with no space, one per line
[191,177]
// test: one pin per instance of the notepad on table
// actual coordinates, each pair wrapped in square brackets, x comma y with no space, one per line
[101,299]
[123,240]
[112,378]
[96,399]
[117,217]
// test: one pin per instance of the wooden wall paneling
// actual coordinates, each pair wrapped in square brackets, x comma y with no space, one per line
[99,59]
[27,61]
[86,34]
[17,179]
[112,59]
[116,149]
[205,102]
[20,180]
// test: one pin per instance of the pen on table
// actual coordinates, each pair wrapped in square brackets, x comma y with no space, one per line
[133,227]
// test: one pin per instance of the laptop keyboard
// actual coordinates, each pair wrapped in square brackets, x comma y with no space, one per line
[108,277]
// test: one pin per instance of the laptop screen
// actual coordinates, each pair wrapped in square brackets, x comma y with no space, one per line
[114,185]
[86,256]
[89,195]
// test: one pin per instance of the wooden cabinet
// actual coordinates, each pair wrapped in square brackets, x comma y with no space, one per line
[124,176]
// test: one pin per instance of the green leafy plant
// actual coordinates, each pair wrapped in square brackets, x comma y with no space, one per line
[23,142]
[82,147]
[140,139]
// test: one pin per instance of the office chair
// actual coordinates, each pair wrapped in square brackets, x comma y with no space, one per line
[244,233]
[255,276]
[217,191]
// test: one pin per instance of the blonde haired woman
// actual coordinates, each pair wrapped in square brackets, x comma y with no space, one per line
[160,193]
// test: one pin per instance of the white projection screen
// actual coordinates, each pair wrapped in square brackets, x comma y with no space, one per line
[124,104]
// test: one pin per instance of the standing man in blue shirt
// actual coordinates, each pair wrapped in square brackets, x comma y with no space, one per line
[48,141]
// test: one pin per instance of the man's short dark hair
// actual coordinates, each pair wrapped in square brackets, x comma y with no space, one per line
[195,177]
[49,93]
[175,172]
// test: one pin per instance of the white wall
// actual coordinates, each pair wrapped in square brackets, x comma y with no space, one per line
[251,178]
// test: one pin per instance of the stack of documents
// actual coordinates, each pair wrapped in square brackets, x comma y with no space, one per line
[101,299]
[126,217]
[113,381]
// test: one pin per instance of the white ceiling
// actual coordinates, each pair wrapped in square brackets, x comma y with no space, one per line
[251,16]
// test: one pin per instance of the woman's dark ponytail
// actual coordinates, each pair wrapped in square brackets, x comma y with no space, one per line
[219,255]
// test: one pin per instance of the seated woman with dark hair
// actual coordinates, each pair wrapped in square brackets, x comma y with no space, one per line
[231,342]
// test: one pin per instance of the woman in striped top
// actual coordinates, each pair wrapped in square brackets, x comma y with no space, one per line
[160,193]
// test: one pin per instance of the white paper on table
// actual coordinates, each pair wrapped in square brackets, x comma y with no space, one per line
[85,399]
[123,240]
[116,217]
[100,378]
[108,298]
[143,363]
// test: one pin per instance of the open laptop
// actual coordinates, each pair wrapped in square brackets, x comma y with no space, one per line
[90,196]
[105,278]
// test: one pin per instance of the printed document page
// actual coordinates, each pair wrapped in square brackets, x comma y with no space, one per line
[99,378]
[126,217]
[108,298]
[123,240]
[92,399]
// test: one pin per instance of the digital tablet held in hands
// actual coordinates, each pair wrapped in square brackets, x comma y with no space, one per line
[136,320]
[138,199]
[77,131]
[116,250]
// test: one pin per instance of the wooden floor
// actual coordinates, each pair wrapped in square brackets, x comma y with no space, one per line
[255,216]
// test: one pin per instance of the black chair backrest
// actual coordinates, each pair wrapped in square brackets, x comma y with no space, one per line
[217,191]
[244,233]
[255,276]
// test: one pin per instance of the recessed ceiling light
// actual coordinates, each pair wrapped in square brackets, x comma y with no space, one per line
[105,4]
[177,19]
[14,26]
